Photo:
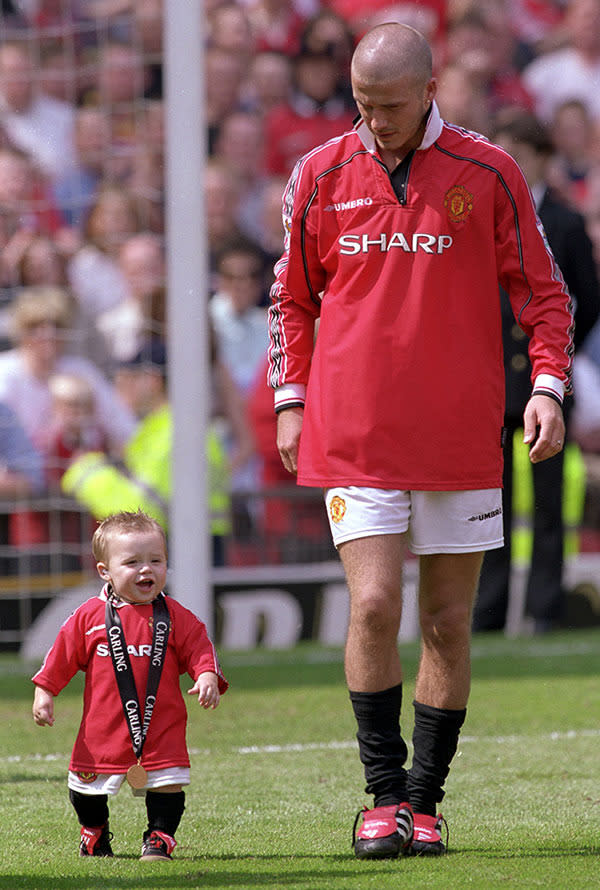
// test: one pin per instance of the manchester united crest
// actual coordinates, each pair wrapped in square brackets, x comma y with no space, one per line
[337,508]
[458,202]
[87,778]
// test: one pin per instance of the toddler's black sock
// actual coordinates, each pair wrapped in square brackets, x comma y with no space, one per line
[91,809]
[164,811]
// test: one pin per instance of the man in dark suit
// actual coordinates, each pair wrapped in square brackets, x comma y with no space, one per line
[526,140]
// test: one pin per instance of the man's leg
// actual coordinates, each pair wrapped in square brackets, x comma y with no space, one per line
[373,567]
[447,588]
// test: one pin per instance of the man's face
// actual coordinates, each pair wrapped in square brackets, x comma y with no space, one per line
[394,111]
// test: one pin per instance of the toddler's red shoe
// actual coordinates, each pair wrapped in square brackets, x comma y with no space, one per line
[157,845]
[95,841]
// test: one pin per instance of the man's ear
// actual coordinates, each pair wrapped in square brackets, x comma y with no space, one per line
[103,571]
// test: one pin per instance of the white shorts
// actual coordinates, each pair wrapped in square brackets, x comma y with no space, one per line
[436,521]
[110,783]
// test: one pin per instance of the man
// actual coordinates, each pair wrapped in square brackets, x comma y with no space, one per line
[527,141]
[397,235]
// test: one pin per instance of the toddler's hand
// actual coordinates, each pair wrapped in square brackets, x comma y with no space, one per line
[206,688]
[43,707]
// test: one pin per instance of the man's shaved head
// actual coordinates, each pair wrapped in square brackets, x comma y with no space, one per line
[390,51]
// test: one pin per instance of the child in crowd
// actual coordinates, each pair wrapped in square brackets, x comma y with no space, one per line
[74,424]
[132,642]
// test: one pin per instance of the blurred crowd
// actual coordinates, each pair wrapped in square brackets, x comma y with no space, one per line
[83,302]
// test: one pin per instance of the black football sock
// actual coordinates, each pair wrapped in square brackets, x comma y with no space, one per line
[381,747]
[435,739]
[164,811]
[91,809]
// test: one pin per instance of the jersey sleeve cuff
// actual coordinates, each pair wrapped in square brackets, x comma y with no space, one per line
[290,395]
[548,385]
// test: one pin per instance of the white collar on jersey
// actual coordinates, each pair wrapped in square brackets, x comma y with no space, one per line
[432,131]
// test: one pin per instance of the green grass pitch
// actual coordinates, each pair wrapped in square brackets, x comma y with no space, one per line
[276,781]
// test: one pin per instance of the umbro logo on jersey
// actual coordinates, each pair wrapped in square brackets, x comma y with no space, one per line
[350,205]
[480,517]
[418,241]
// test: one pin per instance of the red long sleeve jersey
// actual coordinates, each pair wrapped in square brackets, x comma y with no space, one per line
[103,744]
[405,385]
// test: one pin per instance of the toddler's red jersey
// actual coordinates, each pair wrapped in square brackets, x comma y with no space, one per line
[103,744]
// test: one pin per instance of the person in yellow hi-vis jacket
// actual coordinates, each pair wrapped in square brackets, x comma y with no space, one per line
[142,480]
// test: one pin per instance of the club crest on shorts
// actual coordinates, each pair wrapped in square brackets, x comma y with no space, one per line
[458,202]
[87,778]
[337,508]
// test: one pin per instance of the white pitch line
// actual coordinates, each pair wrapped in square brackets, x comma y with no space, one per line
[301,747]
[494,740]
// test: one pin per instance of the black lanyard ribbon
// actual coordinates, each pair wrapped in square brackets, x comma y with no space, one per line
[161,625]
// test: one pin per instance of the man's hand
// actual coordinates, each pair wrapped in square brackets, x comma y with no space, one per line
[543,415]
[289,427]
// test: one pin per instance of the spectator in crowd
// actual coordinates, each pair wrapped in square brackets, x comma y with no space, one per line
[221,195]
[74,429]
[572,71]
[277,25]
[41,263]
[230,30]
[36,259]
[143,479]
[56,76]
[127,326]
[573,135]
[269,82]
[240,330]
[42,320]
[26,209]
[21,464]
[270,230]
[327,31]
[585,422]
[427,16]
[529,143]
[119,89]
[241,145]
[38,124]
[94,273]
[148,27]
[315,112]
[223,78]
[538,26]
[238,318]
[21,476]
[482,42]
[75,190]
[462,100]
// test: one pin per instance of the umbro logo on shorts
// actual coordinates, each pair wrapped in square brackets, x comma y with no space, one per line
[480,517]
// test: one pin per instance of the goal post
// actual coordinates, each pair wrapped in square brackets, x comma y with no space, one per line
[187,295]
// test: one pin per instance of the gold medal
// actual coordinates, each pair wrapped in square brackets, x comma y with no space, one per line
[137,776]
